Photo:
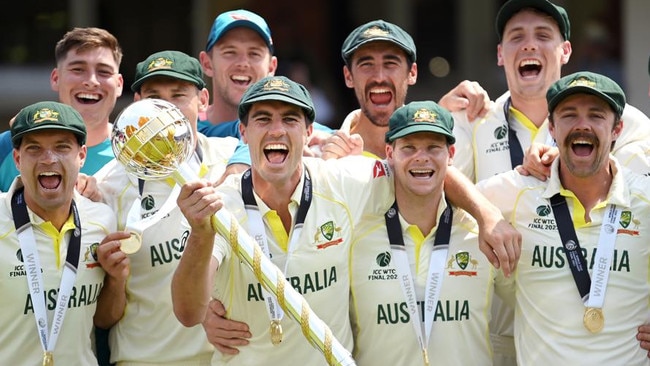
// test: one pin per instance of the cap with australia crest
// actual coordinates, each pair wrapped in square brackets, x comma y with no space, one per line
[173,64]
[47,116]
[586,83]
[378,30]
[278,88]
[421,116]
[239,18]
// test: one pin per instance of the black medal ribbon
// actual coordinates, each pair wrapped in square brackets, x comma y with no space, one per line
[305,199]
[394,228]
[514,146]
[21,219]
[576,260]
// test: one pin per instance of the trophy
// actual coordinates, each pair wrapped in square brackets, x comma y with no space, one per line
[152,139]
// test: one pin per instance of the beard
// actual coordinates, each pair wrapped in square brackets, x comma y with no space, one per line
[377,119]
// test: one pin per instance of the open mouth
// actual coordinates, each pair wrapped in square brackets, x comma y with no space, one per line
[381,96]
[87,98]
[582,147]
[421,173]
[49,180]
[241,80]
[581,143]
[276,153]
[529,68]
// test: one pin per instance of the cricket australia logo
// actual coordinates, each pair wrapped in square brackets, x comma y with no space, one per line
[466,264]
[327,229]
[629,224]
[90,256]
[327,234]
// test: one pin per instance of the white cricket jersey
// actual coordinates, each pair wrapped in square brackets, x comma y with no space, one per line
[19,338]
[482,148]
[149,331]
[383,332]
[317,268]
[549,312]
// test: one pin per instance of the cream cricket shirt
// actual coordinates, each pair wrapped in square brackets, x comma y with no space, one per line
[549,313]
[19,338]
[383,332]
[482,148]
[149,331]
[318,268]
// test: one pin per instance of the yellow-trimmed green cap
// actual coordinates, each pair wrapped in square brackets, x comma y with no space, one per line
[173,64]
[512,7]
[378,30]
[586,83]
[424,116]
[277,88]
[47,116]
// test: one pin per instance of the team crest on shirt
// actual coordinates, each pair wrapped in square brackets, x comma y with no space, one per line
[544,220]
[381,270]
[501,144]
[327,234]
[501,132]
[148,203]
[19,270]
[462,264]
[629,224]
[90,256]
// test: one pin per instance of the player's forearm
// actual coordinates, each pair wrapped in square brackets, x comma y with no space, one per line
[191,282]
[464,194]
[110,303]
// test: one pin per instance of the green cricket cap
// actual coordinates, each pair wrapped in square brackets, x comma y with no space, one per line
[173,64]
[586,83]
[278,88]
[47,116]
[423,116]
[378,30]
[512,7]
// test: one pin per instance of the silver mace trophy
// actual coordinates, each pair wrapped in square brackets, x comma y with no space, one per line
[153,139]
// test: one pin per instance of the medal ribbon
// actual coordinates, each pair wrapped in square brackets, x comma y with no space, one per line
[27,241]
[435,274]
[257,231]
[514,146]
[591,293]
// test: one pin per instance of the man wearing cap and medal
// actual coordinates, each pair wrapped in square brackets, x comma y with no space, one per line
[420,287]
[154,252]
[301,211]
[534,45]
[581,286]
[56,258]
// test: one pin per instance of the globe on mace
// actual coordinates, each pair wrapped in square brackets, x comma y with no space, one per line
[152,138]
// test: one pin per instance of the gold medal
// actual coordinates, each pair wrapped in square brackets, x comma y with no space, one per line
[276,332]
[131,244]
[594,319]
[48,359]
